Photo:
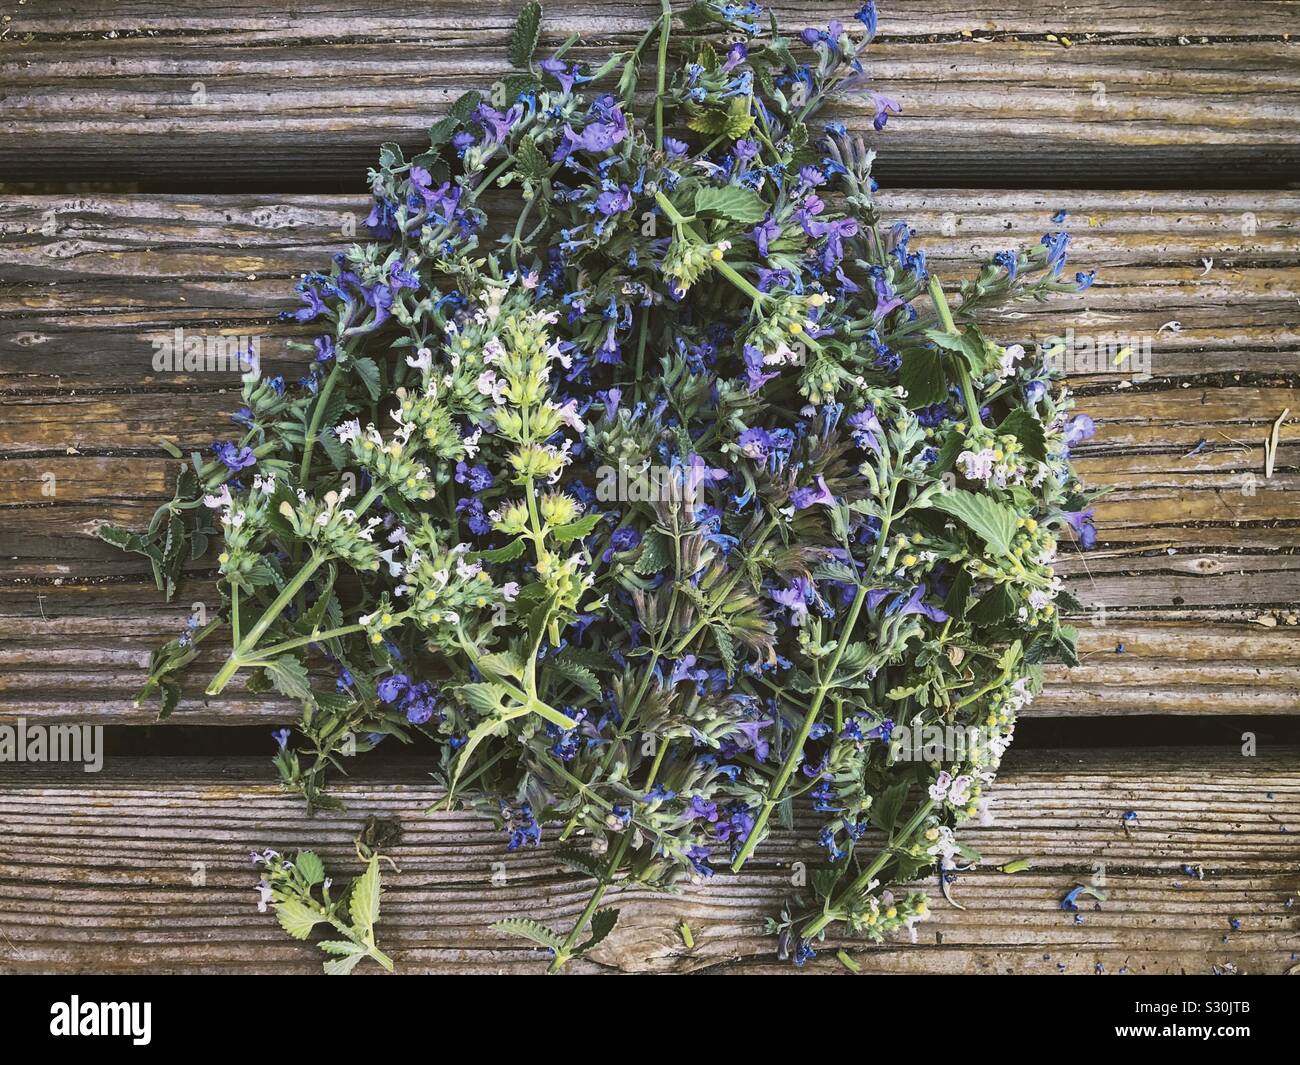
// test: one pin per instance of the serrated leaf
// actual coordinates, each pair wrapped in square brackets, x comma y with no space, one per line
[368,370]
[341,946]
[342,966]
[580,861]
[309,867]
[523,38]
[465,106]
[289,677]
[884,811]
[583,677]
[1028,430]
[656,553]
[994,523]
[576,530]
[364,903]
[530,161]
[741,206]
[296,919]
[442,131]
[602,923]
[509,553]
[997,604]
[485,698]
[117,536]
[526,928]
[921,373]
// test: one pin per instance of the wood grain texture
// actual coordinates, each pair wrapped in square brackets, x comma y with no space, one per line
[1195,547]
[168,93]
[96,875]
[77,652]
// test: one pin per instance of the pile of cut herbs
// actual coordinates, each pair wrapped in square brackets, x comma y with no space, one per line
[648,477]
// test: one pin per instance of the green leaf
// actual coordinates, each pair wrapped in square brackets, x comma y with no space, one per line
[368,370]
[656,553]
[884,811]
[342,966]
[996,605]
[296,919]
[442,131]
[309,867]
[530,161]
[532,930]
[341,946]
[122,539]
[502,664]
[921,373]
[364,904]
[580,861]
[579,674]
[289,676]
[742,206]
[602,923]
[523,38]
[509,553]
[994,523]
[1028,430]
[576,530]
[464,106]
[485,698]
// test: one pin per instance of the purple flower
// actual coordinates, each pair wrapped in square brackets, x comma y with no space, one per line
[765,232]
[884,108]
[796,598]
[234,457]
[1081,522]
[496,123]
[755,444]
[393,687]
[1081,428]
[478,478]
[803,498]
[281,737]
[614,201]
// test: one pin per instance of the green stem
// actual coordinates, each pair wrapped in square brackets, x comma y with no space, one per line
[834,911]
[963,372]
[666,25]
[616,859]
[722,266]
[796,751]
[238,657]
[313,427]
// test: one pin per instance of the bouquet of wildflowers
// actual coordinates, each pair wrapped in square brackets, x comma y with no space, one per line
[647,475]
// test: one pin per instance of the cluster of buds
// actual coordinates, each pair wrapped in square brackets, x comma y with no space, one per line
[990,459]
[243,521]
[445,588]
[334,529]
[391,463]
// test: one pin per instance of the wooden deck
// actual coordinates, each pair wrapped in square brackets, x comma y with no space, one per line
[1175,174]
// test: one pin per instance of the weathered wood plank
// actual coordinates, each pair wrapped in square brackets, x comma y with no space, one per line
[97,874]
[78,652]
[1043,92]
[92,281]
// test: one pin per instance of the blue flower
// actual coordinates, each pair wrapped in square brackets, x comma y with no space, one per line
[234,457]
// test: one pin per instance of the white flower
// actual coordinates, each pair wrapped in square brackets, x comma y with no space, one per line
[422,360]
[348,431]
[569,415]
[264,484]
[509,591]
[221,499]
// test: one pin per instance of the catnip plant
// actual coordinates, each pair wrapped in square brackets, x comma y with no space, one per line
[648,476]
